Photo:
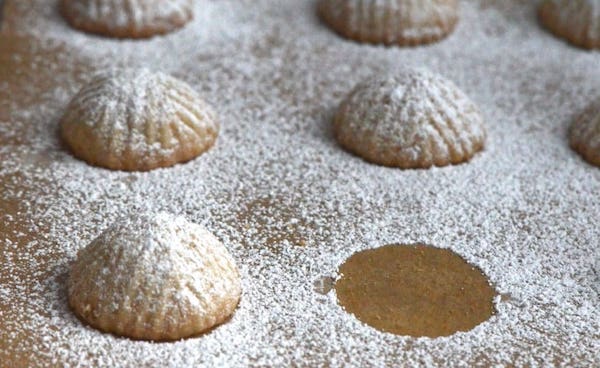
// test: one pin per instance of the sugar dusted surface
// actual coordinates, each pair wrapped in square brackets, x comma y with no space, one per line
[525,210]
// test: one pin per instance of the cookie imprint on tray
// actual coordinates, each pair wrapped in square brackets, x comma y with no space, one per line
[414,290]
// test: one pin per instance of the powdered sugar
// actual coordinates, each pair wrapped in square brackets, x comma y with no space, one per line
[524,212]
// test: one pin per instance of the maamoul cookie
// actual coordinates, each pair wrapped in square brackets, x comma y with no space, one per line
[577,21]
[127,18]
[400,22]
[154,277]
[584,135]
[138,120]
[415,119]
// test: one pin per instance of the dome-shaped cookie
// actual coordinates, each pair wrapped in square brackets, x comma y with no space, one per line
[154,277]
[584,135]
[577,21]
[127,18]
[400,22]
[415,119]
[138,120]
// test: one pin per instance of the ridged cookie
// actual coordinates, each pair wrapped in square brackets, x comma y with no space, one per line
[584,135]
[127,18]
[138,120]
[577,21]
[154,277]
[399,22]
[415,119]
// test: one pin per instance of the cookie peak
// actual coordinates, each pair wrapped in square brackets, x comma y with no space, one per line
[153,231]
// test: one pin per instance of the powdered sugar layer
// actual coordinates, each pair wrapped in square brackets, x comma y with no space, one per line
[524,212]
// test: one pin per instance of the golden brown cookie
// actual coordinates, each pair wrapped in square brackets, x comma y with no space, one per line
[154,277]
[577,21]
[127,18]
[415,119]
[584,135]
[399,22]
[138,120]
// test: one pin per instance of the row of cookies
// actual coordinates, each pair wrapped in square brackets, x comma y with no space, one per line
[392,22]
[414,22]
[402,22]
[139,120]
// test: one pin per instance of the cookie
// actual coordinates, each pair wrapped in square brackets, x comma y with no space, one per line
[577,21]
[399,22]
[138,120]
[584,135]
[154,277]
[414,119]
[127,18]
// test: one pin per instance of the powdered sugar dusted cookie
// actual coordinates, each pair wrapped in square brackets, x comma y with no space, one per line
[127,18]
[415,119]
[585,135]
[578,21]
[138,120]
[154,277]
[400,22]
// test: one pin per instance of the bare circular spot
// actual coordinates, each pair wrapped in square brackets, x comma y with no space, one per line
[414,290]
